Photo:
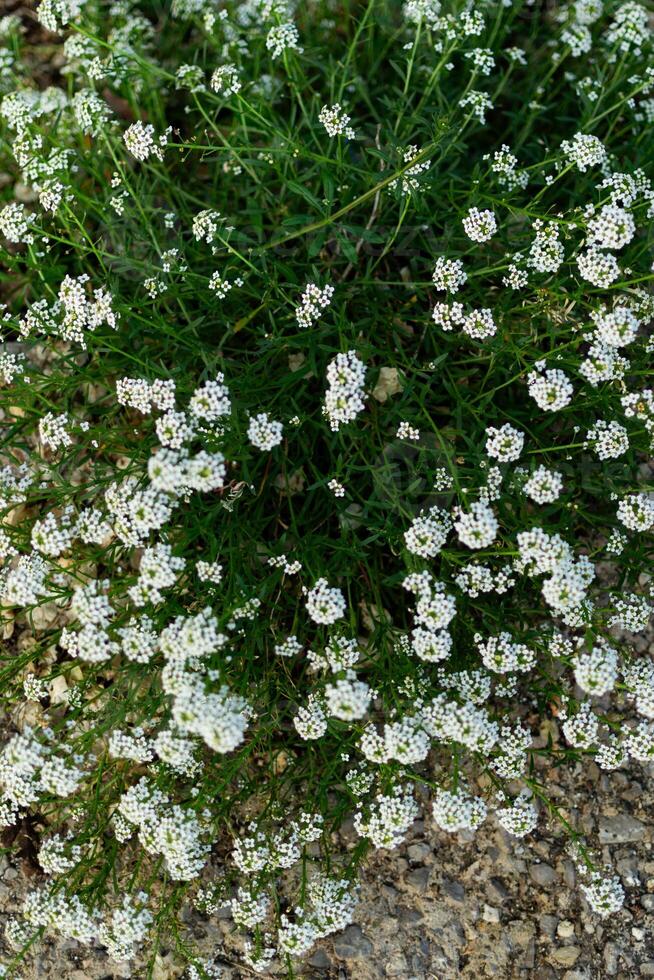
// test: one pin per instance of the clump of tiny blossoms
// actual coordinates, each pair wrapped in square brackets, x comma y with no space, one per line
[326,484]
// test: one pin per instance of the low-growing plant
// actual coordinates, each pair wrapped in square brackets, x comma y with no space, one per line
[325,430]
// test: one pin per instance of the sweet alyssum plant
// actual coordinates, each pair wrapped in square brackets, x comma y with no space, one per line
[325,393]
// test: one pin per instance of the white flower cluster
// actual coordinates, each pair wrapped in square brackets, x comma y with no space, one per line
[142,142]
[91,112]
[264,433]
[520,818]
[24,582]
[145,395]
[613,227]
[434,611]
[546,253]
[281,38]
[615,328]
[482,59]
[310,721]
[449,275]
[313,301]
[454,811]
[324,604]
[504,444]
[289,647]
[639,680]
[632,612]
[336,121]
[544,486]
[636,512]
[30,766]
[211,400]
[347,697]
[428,533]
[640,405]
[225,80]
[596,670]
[209,571]
[340,653]
[447,316]
[219,285]
[409,179]
[406,741]
[217,716]
[581,731]
[16,223]
[479,102]
[604,893]
[159,569]
[344,398]
[205,226]
[174,472]
[480,324]
[282,561]
[330,907]
[477,578]
[550,388]
[597,267]
[174,429]
[477,526]
[608,439]
[414,11]
[502,654]
[505,164]
[165,828]
[584,151]
[578,38]
[130,745]
[630,29]
[51,536]
[602,363]
[128,925]
[57,855]
[388,819]
[74,313]
[53,430]
[479,226]
[121,933]
[564,588]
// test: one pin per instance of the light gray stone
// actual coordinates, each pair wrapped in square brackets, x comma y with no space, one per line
[621,829]
[351,944]
[542,874]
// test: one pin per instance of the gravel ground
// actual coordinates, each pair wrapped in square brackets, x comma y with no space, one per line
[443,907]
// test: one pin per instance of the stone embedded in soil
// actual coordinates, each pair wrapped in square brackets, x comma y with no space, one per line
[418,879]
[566,955]
[542,874]
[565,929]
[621,829]
[548,924]
[453,890]
[418,853]
[611,957]
[320,960]
[352,944]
